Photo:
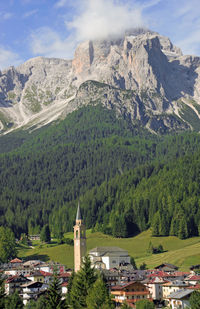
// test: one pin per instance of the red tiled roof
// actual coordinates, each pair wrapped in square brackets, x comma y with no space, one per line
[194,278]
[65,275]
[16,260]
[120,287]
[45,273]
[12,278]
[181,273]
[160,273]
[65,284]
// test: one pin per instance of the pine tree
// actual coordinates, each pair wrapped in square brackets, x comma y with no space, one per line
[173,228]
[132,261]
[183,229]
[69,287]
[2,292]
[144,304]
[45,234]
[195,300]
[143,266]
[98,296]
[83,281]
[7,244]
[54,294]
[14,301]
[156,224]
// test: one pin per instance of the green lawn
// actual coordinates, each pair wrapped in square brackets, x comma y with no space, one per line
[183,253]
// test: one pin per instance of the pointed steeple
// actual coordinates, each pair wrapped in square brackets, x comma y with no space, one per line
[78,214]
[79,240]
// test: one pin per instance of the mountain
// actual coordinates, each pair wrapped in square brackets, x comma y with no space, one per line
[96,117]
[141,76]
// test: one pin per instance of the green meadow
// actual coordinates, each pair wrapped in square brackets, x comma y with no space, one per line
[182,253]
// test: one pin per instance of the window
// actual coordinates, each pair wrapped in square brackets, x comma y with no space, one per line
[76,234]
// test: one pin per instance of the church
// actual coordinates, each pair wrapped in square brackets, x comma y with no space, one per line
[101,257]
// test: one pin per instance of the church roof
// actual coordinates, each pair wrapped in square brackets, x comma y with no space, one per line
[78,214]
[108,251]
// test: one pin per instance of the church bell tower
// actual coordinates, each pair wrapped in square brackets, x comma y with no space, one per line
[79,240]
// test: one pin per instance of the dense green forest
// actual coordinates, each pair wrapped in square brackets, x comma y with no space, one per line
[126,178]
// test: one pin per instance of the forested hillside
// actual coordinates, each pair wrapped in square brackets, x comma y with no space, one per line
[125,178]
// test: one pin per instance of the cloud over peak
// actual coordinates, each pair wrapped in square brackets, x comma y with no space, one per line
[99,19]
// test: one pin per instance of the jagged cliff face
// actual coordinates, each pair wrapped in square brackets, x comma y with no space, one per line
[142,76]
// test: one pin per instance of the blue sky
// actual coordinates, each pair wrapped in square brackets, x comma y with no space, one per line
[53,28]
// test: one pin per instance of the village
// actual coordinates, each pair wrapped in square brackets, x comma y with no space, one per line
[164,285]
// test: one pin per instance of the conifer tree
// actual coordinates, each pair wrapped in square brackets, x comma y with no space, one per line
[183,229]
[14,301]
[45,234]
[144,304]
[7,244]
[98,296]
[83,281]
[2,292]
[54,295]
[173,228]
[195,300]
[69,287]
[132,261]
[156,224]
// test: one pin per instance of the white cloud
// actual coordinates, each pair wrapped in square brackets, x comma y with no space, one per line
[8,58]
[99,19]
[60,3]
[46,42]
[96,19]
[30,13]
[149,4]
[6,15]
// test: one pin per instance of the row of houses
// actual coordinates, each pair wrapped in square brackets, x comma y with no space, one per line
[170,288]
[32,278]
[164,285]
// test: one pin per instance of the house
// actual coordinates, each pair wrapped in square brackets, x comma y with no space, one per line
[32,290]
[14,283]
[16,263]
[130,293]
[173,286]
[49,267]
[193,279]
[18,271]
[180,299]
[112,277]
[155,287]
[47,276]
[64,277]
[167,267]
[108,257]
[34,237]
[32,263]
[36,276]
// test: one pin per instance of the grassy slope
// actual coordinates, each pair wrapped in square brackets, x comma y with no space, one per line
[183,253]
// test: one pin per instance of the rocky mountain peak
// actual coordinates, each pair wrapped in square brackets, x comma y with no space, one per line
[145,71]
